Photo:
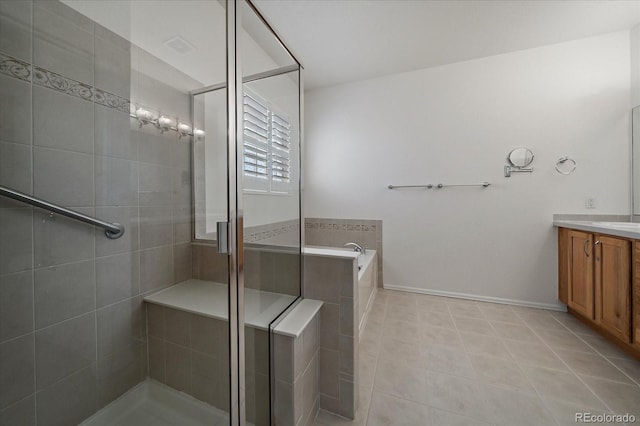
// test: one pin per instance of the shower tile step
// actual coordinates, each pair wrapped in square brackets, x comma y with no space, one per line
[150,403]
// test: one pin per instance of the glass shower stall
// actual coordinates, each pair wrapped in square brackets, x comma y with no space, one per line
[150,211]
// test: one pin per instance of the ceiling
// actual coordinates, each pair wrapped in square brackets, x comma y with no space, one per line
[340,41]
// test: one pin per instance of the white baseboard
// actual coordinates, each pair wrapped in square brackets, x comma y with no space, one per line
[548,306]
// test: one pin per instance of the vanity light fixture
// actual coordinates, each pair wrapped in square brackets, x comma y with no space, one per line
[163,122]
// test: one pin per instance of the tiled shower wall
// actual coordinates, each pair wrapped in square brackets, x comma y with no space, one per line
[72,335]
[337,232]
[271,259]
[190,353]
[273,269]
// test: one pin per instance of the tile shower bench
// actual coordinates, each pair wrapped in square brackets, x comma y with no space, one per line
[197,362]
[210,299]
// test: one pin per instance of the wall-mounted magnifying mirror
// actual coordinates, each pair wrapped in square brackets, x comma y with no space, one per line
[520,157]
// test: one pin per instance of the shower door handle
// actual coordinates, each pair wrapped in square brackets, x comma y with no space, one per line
[222,234]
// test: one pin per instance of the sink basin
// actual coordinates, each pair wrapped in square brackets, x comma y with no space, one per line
[619,225]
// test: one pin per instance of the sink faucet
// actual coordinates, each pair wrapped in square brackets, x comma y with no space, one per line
[357,247]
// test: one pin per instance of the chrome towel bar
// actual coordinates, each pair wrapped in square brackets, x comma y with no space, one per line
[111,230]
[438,186]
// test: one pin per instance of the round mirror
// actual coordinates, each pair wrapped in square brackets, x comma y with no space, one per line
[520,157]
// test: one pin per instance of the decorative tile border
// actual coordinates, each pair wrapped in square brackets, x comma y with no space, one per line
[264,232]
[339,225]
[15,68]
[45,78]
[22,70]
[322,231]
[112,101]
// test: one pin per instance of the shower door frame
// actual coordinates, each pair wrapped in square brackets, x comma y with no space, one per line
[236,247]
[235,124]
[235,219]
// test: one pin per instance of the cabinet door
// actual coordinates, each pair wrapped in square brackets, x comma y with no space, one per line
[580,282]
[613,285]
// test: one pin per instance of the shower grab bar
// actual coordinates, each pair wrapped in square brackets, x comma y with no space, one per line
[111,230]
[438,186]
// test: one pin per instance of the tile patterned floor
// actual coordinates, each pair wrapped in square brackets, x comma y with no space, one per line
[435,361]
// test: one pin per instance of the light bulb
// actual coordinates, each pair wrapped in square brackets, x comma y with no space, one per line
[184,128]
[144,115]
[166,123]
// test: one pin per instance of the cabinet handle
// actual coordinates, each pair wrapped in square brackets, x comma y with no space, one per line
[594,246]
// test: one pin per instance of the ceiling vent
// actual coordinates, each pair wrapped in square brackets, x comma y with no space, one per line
[180,45]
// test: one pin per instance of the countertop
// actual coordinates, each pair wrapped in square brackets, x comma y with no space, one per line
[599,227]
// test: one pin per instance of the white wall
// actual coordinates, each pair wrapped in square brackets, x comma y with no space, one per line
[456,124]
[635,66]
[635,102]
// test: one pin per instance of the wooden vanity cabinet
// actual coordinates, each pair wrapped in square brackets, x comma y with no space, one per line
[595,281]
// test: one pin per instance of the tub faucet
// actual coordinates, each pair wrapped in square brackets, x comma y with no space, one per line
[357,247]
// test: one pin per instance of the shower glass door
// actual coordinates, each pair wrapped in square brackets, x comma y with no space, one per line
[269,192]
[178,121]
[96,116]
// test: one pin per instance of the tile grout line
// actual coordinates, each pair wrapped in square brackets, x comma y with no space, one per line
[379,345]
[449,374]
[519,367]
[494,419]
[377,354]
[637,383]
[93,178]
[571,369]
[33,216]
[524,323]
[464,351]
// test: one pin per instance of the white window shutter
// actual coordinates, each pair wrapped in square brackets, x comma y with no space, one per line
[267,156]
[280,152]
[255,152]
